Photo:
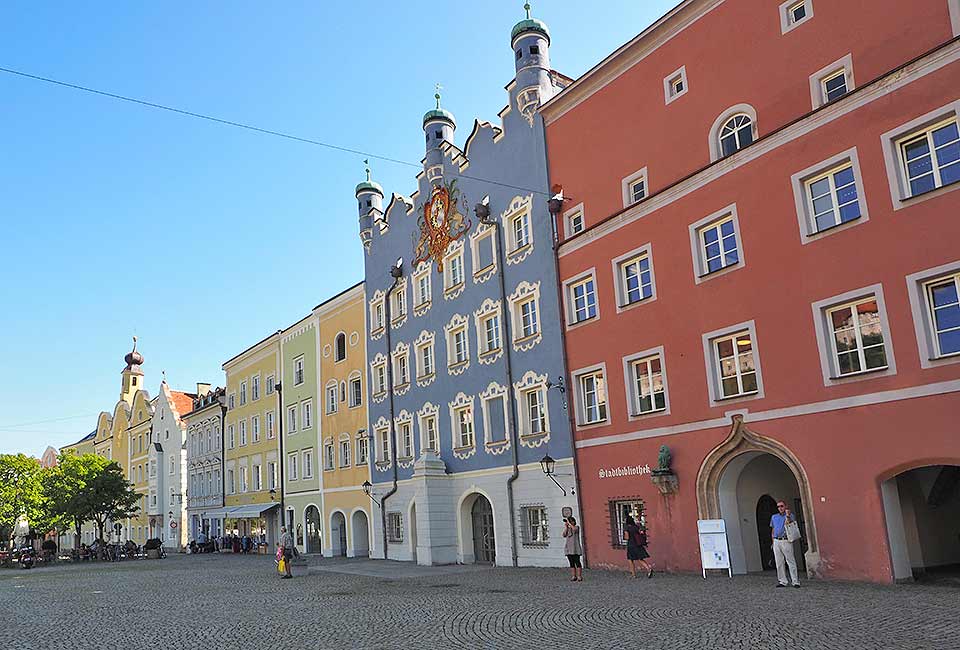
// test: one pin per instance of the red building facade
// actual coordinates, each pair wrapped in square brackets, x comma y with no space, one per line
[760,260]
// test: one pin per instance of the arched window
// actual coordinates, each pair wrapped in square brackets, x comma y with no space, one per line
[341,346]
[736,133]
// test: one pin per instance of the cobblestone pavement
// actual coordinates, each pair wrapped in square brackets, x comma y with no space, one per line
[227,603]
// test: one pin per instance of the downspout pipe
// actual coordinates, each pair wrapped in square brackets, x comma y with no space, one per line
[396,272]
[482,211]
[556,204]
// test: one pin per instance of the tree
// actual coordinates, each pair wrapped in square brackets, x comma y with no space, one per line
[109,496]
[21,493]
[65,487]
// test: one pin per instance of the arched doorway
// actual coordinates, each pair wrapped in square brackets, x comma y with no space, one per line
[412,519]
[484,540]
[922,509]
[360,534]
[338,534]
[731,485]
[312,518]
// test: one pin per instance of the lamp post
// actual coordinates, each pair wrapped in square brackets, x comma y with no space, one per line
[280,457]
[368,490]
[547,464]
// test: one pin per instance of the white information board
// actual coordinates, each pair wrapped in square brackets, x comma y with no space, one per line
[714,552]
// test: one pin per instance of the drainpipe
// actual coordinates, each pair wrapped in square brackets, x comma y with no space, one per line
[223,466]
[482,211]
[556,204]
[396,272]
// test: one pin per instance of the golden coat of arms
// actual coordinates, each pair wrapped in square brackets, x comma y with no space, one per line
[440,223]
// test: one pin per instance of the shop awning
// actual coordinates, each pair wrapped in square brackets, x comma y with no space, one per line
[212,513]
[251,511]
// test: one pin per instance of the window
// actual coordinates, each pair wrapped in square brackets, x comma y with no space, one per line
[491,333]
[944,312]
[331,391]
[430,439]
[735,365]
[383,438]
[647,384]
[362,451]
[581,298]
[638,190]
[306,413]
[458,351]
[401,366]
[737,133]
[298,371]
[243,393]
[231,401]
[521,230]
[832,198]
[715,244]
[255,388]
[619,510]
[425,360]
[463,417]
[173,464]
[573,220]
[269,422]
[380,377]
[534,49]
[592,396]
[931,158]
[356,391]
[534,406]
[398,304]
[292,467]
[344,453]
[519,54]
[255,428]
[483,248]
[529,325]
[307,459]
[453,272]
[340,347]
[634,276]
[292,419]
[395,527]
[794,13]
[422,294]
[271,476]
[243,479]
[271,384]
[857,337]
[535,529]
[834,86]
[231,436]
[405,437]
[243,432]
[493,403]
[257,479]
[376,314]
[460,346]
[518,229]
[675,85]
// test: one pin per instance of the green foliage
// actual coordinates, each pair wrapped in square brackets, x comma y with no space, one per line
[65,487]
[108,495]
[21,492]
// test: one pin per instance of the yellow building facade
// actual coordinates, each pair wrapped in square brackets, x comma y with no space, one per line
[68,539]
[251,443]
[345,441]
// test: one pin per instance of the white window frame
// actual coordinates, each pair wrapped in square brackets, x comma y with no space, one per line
[826,344]
[243,393]
[454,259]
[787,22]
[525,293]
[298,370]
[306,414]
[802,199]
[531,383]
[520,207]
[231,436]
[403,425]
[425,342]
[569,227]
[355,397]
[462,404]
[818,80]
[292,466]
[255,429]
[716,152]
[306,463]
[256,477]
[627,183]
[383,443]
[271,382]
[618,266]
[535,529]
[712,366]
[489,309]
[270,423]
[457,324]
[421,303]
[378,371]
[345,451]
[892,140]
[398,306]
[292,419]
[231,401]
[670,92]
[401,367]
[570,285]
[254,388]
[429,413]
[698,247]
[395,527]
[362,457]
[630,383]
[580,406]
[243,432]
[484,236]
[920,308]
[377,315]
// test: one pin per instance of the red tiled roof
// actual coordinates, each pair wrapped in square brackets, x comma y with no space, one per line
[182,402]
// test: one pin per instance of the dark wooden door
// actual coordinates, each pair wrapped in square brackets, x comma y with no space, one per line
[484,546]
[766,508]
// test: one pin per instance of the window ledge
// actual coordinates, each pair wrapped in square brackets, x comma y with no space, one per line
[423,305]
[458,365]
[535,544]
[404,459]
[735,397]
[534,436]
[592,425]
[464,449]
[382,464]
[497,443]
[834,227]
[860,373]
[453,288]
[404,386]
[526,339]
[647,414]
[488,267]
[426,377]
[572,325]
[377,331]
[491,353]
[519,251]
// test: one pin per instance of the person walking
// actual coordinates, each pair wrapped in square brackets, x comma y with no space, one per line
[782,546]
[573,548]
[286,549]
[636,547]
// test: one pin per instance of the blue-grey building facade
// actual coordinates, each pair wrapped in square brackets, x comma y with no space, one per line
[464,343]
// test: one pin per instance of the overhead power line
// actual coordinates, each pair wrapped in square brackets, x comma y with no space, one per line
[7,427]
[248,127]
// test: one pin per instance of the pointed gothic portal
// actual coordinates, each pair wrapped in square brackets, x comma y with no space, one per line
[731,484]
[484,547]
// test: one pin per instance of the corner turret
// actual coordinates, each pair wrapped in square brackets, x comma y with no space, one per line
[438,126]
[369,205]
[530,40]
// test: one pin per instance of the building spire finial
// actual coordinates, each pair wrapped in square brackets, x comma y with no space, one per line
[366,161]
[526,7]
[134,343]
[437,96]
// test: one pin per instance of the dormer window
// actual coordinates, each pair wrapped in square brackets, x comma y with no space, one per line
[534,49]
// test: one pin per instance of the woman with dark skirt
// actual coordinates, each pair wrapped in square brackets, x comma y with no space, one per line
[572,548]
[636,547]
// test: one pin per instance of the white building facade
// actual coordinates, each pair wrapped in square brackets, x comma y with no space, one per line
[204,463]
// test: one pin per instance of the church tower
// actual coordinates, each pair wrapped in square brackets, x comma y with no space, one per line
[438,127]
[530,40]
[132,374]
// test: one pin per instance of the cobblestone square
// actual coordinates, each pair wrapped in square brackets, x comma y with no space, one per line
[239,602]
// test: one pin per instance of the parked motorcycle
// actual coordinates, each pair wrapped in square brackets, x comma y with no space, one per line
[26,558]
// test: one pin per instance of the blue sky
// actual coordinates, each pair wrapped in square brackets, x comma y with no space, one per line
[200,238]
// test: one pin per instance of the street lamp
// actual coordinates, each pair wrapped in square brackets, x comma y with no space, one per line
[368,490]
[547,464]
[273,494]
